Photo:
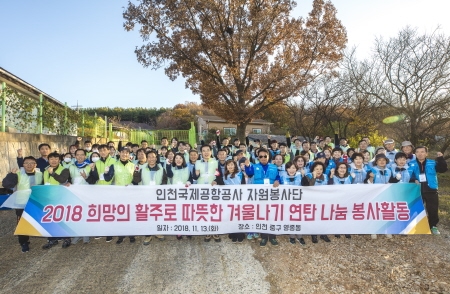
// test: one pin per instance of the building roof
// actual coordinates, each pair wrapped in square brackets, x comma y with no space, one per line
[14,81]
[214,118]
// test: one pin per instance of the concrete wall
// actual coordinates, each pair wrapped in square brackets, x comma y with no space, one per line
[10,142]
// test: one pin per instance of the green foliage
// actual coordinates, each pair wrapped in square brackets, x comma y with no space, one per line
[135,114]
[21,111]
[376,139]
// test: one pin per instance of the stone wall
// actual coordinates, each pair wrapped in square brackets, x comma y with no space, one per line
[10,142]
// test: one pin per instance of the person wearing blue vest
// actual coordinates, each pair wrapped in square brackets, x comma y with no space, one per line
[425,172]
[264,173]
[389,145]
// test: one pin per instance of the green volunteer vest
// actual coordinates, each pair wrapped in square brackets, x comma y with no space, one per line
[50,180]
[123,174]
[148,175]
[100,165]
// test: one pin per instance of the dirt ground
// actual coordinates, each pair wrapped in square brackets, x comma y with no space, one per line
[412,264]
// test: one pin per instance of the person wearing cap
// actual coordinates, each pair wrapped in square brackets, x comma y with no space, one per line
[408,148]
[425,173]
[379,174]
[122,171]
[264,173]
[389,144]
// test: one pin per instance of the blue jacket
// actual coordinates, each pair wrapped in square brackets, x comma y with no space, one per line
[381,176]
[291,180]
[256,172]
[431,169]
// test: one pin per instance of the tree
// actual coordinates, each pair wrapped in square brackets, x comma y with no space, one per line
[240,56]
[409,74]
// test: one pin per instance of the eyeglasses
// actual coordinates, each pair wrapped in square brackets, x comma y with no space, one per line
[29,163]
[262,156]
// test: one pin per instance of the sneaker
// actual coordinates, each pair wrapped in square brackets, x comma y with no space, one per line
[292,240]
[66,243]
[96,238]
[240,240]
[263,243]
[373,236]
[274,242]
[160,237]
[217,238]
[314,239]
[179,237]
[120,240]
[25,247]
[249,236]
[255,235]
[207,238]
[132,239]
[147,240]
[108,239]
[302,242]
[325,238]
[389,236]
[435,231]
[233,240]
[337,236]
[50,244]
[348,236]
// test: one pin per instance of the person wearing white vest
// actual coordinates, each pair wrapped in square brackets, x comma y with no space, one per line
[151,174]
[23,180]
[206,170]
[79,174]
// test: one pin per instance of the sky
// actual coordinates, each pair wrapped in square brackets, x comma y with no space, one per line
[78,52]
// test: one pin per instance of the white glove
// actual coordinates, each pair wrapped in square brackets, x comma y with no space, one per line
[106,169]
[398,176]
[353,175]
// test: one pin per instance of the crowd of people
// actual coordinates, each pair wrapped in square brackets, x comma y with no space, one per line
[294,162]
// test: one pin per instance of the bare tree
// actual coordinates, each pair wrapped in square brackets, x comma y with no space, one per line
[409,74]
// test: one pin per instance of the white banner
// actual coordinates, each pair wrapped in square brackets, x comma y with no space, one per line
[203,209]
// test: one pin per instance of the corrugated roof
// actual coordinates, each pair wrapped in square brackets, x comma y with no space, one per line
[19,83]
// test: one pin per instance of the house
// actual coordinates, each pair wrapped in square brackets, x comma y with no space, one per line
[208,122]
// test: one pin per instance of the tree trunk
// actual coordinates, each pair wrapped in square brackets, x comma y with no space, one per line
[240,131]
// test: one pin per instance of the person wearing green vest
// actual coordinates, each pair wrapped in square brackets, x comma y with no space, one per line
[206,170]
[79,175]
[151,175]
[100,165]
[122,172]
[56,174]
[23,180]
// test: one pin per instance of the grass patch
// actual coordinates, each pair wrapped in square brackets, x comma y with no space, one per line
[444,198]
